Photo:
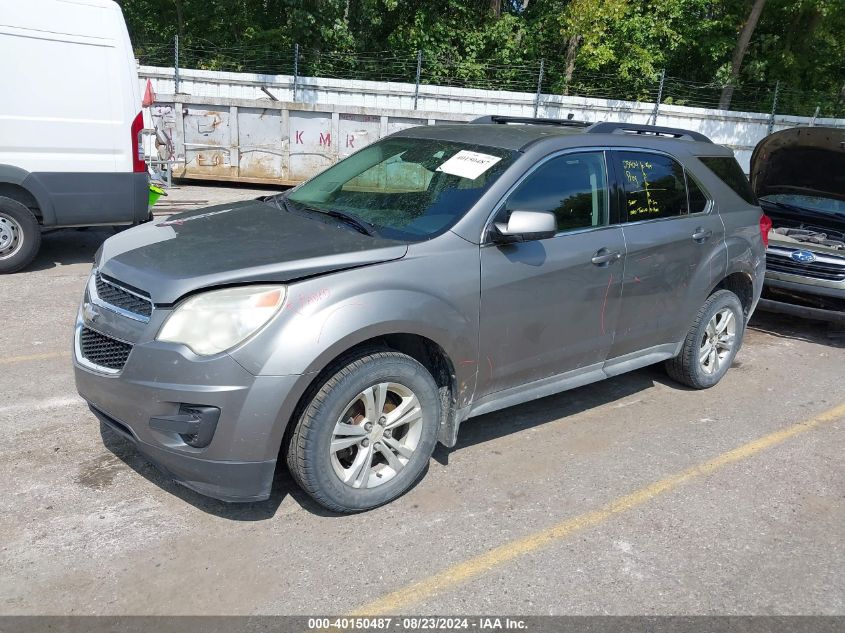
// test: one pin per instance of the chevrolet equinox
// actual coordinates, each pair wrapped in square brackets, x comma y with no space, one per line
[348,325]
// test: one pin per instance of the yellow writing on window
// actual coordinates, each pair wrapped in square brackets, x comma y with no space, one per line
[637,173]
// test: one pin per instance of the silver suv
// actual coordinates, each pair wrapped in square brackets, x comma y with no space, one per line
[443,272]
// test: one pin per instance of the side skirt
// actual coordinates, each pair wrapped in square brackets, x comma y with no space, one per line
[568,380]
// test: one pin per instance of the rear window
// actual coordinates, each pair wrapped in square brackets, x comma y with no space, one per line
[730,173]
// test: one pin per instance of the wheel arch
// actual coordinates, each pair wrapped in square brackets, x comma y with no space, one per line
[425,350]
[742,285]
[24,187]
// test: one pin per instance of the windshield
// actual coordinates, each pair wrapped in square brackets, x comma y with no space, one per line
[812,203]
[406,188]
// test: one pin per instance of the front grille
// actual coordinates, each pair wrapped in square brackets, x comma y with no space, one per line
[119,297]
[817,269]
[102,350]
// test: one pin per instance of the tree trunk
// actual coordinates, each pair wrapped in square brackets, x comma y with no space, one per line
[496,8]
[739,52]
[569,59]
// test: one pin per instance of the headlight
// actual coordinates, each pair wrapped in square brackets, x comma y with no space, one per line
[215,321]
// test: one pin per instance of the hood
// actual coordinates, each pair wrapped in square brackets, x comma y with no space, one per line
[252,241]
[800,161]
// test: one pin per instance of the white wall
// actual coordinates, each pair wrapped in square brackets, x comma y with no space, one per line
[739,130]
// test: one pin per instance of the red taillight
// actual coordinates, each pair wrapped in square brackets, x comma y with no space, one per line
[138,164]
[765,227]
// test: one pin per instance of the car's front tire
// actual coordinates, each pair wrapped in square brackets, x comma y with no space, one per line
[368,432]
[711,343]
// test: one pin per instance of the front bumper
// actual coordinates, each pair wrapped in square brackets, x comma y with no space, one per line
[224,480]
[791,296]
[159,380]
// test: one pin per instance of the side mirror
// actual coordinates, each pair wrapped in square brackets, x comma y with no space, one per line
[525,226]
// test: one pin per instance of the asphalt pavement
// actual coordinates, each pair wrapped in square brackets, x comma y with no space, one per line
[630,496]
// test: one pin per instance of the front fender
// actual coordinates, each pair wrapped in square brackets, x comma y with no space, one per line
[433,297]
[310,337]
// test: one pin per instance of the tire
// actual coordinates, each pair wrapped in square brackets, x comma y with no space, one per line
[688,368]
[20,235]
[323,453]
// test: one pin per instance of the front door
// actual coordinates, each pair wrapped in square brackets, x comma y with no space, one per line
[550,306]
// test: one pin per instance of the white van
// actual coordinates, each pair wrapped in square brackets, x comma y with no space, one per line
[70,121]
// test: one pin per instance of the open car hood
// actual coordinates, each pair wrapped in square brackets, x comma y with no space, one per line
[806,161]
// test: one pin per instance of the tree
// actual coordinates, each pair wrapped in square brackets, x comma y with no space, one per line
[612,48]
[586,24]
[739,52]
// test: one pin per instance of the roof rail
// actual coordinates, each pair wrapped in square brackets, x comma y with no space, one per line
[607,127]
[529,120]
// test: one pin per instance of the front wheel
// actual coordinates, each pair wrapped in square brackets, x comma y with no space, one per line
[712,342]
[368,432]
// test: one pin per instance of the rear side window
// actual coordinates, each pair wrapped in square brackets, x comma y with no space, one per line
[730,173]
[654,186]
[572,186]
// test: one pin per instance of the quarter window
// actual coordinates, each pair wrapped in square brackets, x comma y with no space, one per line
[697,198]
[653,186]
[572,186]
[730,173]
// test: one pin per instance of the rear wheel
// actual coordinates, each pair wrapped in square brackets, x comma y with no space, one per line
[20,235]
[367,434]
[712,342]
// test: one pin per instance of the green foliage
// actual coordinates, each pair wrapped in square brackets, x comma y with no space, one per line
[619,46]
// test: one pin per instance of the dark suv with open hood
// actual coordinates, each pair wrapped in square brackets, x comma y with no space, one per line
[799,176]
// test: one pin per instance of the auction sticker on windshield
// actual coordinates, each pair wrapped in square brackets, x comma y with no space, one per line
[468,164]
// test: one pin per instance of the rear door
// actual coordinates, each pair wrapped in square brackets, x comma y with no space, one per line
[546,306]
[674,239]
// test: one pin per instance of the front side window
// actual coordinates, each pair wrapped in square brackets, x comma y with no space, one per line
[654,186]
[572,186]
[407,188]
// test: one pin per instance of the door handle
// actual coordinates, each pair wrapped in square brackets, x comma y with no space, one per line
[701,235]
[603,257]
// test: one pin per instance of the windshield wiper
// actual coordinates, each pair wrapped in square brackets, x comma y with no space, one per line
[359,225]
[280,200]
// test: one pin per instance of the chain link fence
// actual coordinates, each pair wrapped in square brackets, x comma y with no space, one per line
[537,76]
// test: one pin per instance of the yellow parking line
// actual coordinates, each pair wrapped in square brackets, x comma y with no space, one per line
[464,571]
[22,359]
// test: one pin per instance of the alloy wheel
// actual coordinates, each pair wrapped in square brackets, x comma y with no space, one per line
[376,436]
[718,341]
